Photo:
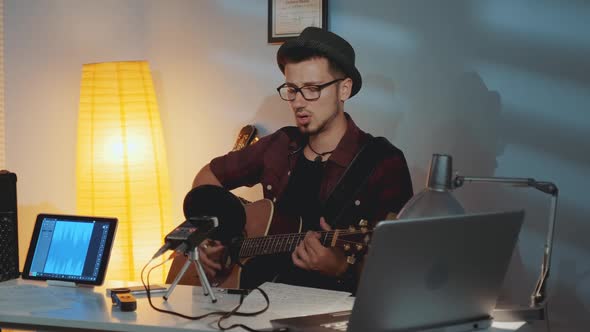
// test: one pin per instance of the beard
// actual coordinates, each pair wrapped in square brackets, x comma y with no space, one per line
[316,125]
[310,129]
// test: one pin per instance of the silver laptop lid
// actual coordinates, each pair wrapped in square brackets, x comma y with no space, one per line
[434,272]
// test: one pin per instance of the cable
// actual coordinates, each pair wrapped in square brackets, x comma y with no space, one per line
[223,314]
[170,311]
[235,312]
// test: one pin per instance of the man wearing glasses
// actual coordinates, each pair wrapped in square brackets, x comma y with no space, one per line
[300,166]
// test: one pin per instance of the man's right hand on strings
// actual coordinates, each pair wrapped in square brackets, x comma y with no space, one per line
[211,254]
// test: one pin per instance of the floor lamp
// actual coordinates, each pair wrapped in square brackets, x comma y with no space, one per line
[121,166]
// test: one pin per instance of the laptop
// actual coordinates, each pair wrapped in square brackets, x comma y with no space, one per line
[427,274]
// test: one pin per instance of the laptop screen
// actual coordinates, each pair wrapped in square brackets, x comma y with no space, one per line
[70,248]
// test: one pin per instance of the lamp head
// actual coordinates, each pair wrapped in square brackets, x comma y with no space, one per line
[441,169]
[436,199]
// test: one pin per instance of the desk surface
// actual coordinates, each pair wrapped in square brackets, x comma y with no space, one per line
[91,309]
[80,308]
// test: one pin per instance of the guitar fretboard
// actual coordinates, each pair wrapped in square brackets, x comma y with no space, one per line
[276,244]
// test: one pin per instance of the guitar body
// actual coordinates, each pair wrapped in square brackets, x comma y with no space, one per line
[260,221]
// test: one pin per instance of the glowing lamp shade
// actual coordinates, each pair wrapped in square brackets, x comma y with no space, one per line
[121,166]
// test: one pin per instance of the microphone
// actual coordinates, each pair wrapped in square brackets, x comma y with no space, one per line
[209,200]
[189,234]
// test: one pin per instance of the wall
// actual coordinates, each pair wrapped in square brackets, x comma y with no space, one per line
[502,86]
[2,123]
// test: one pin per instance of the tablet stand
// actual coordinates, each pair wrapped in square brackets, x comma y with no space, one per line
[61,283]
[193,257]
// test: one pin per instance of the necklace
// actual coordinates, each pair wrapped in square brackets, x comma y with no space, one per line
[319,156]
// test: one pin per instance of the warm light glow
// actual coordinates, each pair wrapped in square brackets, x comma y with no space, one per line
[121,162]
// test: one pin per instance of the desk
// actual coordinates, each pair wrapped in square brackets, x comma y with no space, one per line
[90,309]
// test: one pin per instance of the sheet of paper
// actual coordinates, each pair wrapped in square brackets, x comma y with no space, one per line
[32,298]
[289,301]
[506,326]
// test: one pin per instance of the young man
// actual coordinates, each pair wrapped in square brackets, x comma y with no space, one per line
[300,166]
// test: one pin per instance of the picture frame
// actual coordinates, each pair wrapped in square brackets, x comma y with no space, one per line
[287,18]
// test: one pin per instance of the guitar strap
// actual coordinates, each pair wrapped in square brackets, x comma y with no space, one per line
[340,200]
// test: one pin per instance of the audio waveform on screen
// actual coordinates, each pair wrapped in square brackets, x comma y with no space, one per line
[69,247]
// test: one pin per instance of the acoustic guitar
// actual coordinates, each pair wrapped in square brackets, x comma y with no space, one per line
[269,234]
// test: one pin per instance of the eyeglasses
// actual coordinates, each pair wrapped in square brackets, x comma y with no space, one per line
[288,91]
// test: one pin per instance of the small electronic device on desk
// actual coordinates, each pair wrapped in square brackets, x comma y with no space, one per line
[123,299]
[139,290]
[70,250]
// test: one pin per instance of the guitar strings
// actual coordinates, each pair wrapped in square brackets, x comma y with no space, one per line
[287,242]
[343,231]
[270,238]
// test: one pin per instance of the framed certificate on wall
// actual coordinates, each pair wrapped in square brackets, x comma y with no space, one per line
[287,18]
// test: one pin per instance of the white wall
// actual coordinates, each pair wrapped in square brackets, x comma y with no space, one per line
[46,43]
[500,85]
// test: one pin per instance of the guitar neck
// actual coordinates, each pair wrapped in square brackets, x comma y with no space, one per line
[277,244]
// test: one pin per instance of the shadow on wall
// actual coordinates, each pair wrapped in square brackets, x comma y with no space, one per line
[378,109]
[273,114]
[464,119]
[543,114]
[27,215]
[461,117]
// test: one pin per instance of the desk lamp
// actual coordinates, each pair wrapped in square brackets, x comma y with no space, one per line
[436,200]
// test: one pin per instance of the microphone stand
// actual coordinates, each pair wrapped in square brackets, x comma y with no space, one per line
[538,300]
[193,257]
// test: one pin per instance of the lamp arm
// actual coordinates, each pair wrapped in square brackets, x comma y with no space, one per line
[539,293]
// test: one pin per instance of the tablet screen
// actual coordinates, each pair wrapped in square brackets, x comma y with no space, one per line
[70,248]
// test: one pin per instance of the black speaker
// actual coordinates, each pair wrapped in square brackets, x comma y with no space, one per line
[8,228]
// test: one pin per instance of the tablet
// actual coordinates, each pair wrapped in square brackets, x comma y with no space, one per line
[73,249]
